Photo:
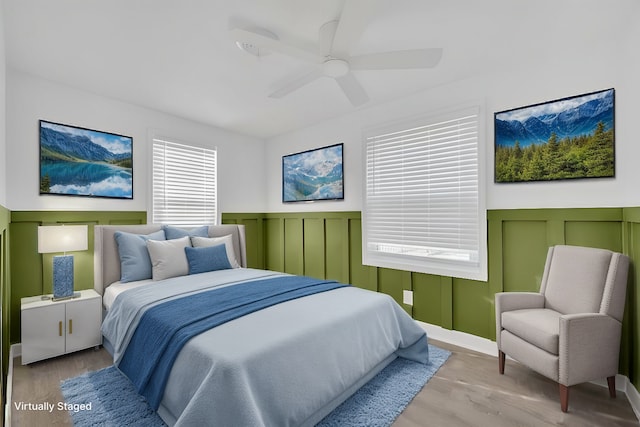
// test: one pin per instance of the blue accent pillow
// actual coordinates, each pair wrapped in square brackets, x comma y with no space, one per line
[172,232]
[207,258]
[135,263]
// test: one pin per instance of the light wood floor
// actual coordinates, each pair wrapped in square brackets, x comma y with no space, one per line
[466,391]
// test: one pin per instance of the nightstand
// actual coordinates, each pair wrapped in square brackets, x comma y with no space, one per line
[52,328]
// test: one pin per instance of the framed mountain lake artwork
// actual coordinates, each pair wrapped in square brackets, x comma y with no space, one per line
[564,139]
[313,175]
[75,161]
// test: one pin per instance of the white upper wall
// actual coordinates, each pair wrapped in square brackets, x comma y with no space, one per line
[612,63]
[250,175]
[3,73]
[29,99]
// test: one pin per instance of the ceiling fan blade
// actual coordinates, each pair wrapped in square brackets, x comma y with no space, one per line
[401,59]
[353,89]
[296,83]
[246,36]
[356,15]
[325,37]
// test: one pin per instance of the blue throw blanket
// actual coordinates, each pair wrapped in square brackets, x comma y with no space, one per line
[165,328]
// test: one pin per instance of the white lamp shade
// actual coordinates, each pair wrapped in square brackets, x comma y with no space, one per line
[62,238]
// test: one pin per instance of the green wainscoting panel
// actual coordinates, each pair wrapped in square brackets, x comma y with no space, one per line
[471,307]
[294,246]
[5,294]
[255,253]
[524,253]
[390,283]
[630,360]
[600,234]
[314,247]
[26,270]
[274,244]
[31,272]
[427,294]
[362,276]
[337,257]
[324,245]
[254,234]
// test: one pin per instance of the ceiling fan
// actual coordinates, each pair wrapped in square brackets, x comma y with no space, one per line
[333,58]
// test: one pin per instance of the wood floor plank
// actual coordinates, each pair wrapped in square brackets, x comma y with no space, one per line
[40,382]
[466,391]
[469,391]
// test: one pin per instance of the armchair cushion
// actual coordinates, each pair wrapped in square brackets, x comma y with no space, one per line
[508,301]
[539,327]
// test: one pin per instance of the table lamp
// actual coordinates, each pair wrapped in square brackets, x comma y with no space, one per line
[62,238]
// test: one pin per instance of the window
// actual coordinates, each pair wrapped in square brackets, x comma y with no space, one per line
[423,204]
[184,184]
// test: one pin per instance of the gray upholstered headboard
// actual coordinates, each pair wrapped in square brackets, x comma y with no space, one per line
[106,262]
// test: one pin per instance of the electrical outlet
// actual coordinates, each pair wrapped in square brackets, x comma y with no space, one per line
[407,297]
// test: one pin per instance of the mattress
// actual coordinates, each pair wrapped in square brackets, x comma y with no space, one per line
[115,289]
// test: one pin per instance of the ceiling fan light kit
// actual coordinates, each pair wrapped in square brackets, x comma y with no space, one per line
[334,54]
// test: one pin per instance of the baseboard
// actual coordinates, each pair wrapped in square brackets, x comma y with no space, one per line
[461,339]
[486,346]
[14,351]
[633,396]
[17,349]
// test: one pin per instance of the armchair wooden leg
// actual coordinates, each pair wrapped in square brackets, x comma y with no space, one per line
[501,362]
[611,381]
[564,397]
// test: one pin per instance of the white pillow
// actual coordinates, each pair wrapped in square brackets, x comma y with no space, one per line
[168,258]
[227,240]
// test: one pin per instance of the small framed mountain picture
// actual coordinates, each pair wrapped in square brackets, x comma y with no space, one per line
[313,175]
[76,161]
[563,139]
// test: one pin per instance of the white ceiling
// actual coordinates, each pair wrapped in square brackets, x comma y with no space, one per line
[177,56]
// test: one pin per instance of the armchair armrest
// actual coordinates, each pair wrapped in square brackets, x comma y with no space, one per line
[589,347]
[509,301]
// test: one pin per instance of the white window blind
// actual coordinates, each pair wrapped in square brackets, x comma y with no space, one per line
[422,207]
[184,184]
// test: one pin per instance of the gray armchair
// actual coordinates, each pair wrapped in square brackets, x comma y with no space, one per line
[570,331]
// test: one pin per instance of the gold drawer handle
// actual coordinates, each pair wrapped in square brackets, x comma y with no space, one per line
[60,328]
[70,326]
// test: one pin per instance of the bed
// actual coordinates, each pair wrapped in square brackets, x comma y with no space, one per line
[288,358]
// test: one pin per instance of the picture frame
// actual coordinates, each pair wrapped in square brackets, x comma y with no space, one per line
[76,161]
[568,138]
[313,175]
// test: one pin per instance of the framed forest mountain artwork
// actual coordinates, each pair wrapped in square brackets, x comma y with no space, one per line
[563,139]
[76,161]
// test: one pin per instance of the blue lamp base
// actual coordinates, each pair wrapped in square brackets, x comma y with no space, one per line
[62,277]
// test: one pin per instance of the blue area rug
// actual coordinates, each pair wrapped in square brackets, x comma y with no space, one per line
[114,401]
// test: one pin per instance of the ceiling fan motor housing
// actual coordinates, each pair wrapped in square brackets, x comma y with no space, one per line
[335,67]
